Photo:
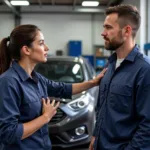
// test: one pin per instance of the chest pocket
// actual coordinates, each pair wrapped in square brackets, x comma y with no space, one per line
[30,96]
[121,98]
[121,90]
[31,105]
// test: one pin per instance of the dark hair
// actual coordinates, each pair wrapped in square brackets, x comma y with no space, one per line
[127,15]
[10,47]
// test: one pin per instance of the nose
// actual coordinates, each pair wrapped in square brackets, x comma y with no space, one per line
[46,48]
[103,33]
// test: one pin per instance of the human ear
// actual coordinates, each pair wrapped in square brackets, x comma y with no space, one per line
[128,30]
[25,50]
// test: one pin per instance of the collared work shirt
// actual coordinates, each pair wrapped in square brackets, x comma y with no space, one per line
[123,112]
[20,102]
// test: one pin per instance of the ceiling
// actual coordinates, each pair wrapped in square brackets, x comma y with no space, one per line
[55,6]
[67,2]
[63,2]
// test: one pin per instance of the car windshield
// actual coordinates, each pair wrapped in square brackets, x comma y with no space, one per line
[62,71]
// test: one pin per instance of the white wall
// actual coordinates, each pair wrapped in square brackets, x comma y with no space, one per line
[6,25]
[98,29]
[58,29]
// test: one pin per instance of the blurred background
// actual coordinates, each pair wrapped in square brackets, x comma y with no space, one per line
[71,27]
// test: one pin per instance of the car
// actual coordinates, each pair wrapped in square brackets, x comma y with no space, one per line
[74,121]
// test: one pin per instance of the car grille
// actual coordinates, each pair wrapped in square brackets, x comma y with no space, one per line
[60,115]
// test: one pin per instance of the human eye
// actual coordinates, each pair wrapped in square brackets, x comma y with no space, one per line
[108,27]
[41,43]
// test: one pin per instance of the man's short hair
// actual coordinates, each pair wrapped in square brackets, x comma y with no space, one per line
[127,15]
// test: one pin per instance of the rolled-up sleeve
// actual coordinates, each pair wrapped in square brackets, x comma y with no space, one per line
[10,129]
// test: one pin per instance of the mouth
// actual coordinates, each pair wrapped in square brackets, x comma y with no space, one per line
[45,55]
[106,39]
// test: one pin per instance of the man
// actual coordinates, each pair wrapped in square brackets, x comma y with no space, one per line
[123,109]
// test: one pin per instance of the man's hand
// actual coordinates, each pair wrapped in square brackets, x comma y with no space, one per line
[92,143]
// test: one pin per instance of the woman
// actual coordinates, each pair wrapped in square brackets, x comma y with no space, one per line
[25,108]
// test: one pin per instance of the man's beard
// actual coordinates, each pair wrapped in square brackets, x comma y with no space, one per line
[114,44]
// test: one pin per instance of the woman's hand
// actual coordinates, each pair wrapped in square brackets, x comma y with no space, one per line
[99,77]
[80,87]
[49,109]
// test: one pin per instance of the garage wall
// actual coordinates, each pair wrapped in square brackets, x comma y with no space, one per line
[98,29]
[58,29]
[6,25]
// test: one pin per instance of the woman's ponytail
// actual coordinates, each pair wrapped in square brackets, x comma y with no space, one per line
[5,58]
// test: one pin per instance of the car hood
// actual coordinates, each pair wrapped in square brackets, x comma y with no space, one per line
[76,96]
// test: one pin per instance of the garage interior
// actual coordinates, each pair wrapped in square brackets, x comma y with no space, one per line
[73,30]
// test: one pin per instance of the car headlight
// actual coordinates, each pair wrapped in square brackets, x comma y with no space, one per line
[79,103]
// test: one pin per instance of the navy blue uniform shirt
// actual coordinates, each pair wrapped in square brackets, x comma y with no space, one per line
[20,102]
[123,110]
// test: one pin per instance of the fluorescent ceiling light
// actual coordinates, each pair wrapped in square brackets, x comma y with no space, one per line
[90,3]
[19,3]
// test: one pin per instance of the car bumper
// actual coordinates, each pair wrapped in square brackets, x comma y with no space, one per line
[63,133]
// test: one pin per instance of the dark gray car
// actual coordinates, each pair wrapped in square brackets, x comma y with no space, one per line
[75,119]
